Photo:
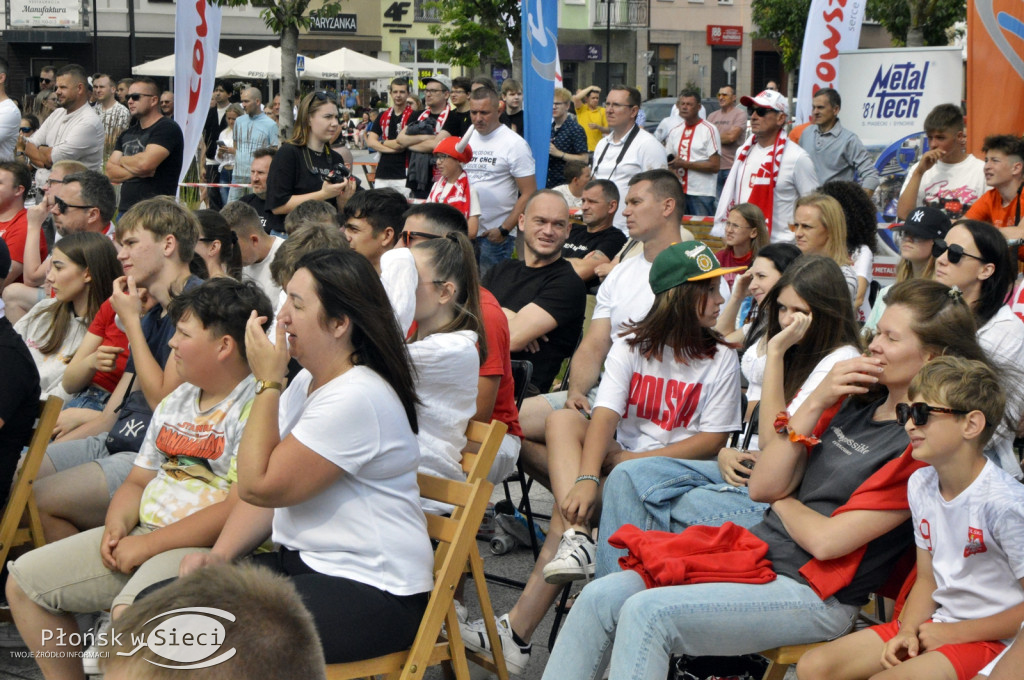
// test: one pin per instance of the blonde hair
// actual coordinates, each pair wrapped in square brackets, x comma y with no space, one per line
[834,221]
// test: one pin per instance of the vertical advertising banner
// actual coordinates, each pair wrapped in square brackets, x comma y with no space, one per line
[196,44]
[995,70]
[833,26]
[888,93]
[540,71]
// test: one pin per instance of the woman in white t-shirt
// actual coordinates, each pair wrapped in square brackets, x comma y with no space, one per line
[861,236]
[808,327]
[974,259]
[670,388]
[82,272]
[327,469]
[819,227]
[444,351]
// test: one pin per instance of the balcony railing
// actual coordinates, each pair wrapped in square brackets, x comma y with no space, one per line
[625,13]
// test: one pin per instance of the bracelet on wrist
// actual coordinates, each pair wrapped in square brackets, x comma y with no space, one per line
[782,427]
[589,478]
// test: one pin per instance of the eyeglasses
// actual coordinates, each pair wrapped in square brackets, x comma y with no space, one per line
[760,110]
[433,90]
[919,412]
[62,205]
[50,182]
[325,96]
[136,96]
[440,156]
[560,103]
[954,253]
[613,105]
[25,129]
[408,236]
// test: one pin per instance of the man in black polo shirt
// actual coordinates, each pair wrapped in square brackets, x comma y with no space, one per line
[540,294]
[258,171]
[596,241]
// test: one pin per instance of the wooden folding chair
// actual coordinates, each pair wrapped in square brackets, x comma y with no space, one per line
[456,539]
[22,498]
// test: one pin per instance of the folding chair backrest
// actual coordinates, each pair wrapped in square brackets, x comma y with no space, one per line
[482,444]
[522,373]
[21,498]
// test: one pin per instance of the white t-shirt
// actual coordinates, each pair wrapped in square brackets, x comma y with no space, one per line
[702,145]
[573,201]
[645,153]
[34,329]
[192,452]
[796,178]
[964,181]
[260,271]
[626,294]
[447,368]
[399,277]
[76,136]
[976,542]
[1002,338]
[863,261]
[10,124]
[662,401]
[498,160]
[368,525]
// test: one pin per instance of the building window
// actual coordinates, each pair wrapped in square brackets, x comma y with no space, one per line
[426,10]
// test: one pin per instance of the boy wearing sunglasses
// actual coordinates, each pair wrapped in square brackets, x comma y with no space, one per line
[968,516]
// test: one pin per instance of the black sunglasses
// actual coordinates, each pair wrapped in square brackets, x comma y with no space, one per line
[62,205]
[954,253]
[919,412]
[25,129]
[407,236]
[760,110]
[136,96]
[325,97]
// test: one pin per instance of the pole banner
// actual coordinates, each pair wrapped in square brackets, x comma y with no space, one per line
[540,69]
[196,44]
[832,26]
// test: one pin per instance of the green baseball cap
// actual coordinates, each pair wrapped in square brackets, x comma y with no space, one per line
[683,262]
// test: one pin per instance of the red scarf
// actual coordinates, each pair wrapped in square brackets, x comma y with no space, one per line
[687,137]
[762,194]
[385,121]
[441,118]
[455,194]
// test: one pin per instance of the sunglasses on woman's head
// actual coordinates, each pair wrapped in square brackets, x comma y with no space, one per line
[919,412]
[954,252]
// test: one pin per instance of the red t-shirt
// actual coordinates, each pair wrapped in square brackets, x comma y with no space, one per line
[727,259]
[104,327]
[13,233]
[498,362]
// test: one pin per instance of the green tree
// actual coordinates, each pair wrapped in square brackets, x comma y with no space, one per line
[286,17]
[782,21]
[917,23]
[474,31]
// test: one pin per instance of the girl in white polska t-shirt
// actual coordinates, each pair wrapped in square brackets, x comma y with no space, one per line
[670,388]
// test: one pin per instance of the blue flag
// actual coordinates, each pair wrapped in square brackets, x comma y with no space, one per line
[540,66]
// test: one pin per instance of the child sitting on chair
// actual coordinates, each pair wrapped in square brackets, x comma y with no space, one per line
[968,599]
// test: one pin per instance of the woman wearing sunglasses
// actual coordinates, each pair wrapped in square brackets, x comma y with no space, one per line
[305,168]
[806,472]
[975,259]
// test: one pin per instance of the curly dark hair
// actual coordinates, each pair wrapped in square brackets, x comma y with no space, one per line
[861,224]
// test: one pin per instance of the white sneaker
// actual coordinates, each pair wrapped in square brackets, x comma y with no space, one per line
[574,559]
[474,635]
[91,656]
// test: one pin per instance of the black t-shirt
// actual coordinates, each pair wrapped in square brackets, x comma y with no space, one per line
[19,402]
[260,206]
[391,165]
[556,289]
[295,170]
[852,448]
[166,133]
[581,242]
[515,122]
[462,121]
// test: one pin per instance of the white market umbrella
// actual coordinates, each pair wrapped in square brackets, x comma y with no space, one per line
[263,64]
[346,63]
[165,66]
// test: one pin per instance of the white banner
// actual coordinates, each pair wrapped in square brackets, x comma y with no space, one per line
[833,26]
[888,93]
[33,13]
[196,43]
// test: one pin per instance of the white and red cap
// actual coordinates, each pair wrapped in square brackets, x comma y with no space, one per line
[769,99]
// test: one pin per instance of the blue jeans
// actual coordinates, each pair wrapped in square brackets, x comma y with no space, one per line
[617,619]
[92,397]
[668,494]
[490,254]
[700,206]
[722,176]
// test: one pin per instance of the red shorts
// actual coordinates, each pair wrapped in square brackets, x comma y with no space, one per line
[967,658]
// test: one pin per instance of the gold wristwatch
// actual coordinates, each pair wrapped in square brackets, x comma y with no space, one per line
[263,385]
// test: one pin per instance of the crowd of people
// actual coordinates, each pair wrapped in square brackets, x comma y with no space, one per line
[261,380]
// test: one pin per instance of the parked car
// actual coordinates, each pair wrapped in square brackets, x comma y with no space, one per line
[659,108]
